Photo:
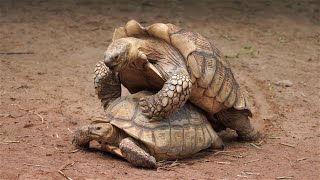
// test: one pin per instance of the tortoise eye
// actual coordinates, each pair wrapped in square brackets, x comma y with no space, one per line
[116,57]
[98,128]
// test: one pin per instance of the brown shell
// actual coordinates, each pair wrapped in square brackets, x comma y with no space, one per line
[207,67]
[181,135]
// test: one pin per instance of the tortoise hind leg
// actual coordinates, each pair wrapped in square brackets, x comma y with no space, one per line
[106,83]
[135,154]
[169,99]
[240,122]
[215,123]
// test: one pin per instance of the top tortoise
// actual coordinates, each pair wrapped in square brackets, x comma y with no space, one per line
[177,64]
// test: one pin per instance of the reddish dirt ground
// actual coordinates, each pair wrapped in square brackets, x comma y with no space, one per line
[48,93]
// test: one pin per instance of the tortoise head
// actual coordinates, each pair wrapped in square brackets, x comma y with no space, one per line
[102,132]
[116,55]
[81,138]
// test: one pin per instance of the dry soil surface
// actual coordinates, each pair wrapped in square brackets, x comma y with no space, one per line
[46,92]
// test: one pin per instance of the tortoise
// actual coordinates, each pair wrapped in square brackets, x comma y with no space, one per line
[128,133]
[179,65]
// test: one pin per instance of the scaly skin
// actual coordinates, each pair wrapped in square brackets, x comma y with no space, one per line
[169,99]
[214,87]
[106,83]
[239,121]
[133,153]
[112,139]
[124,54]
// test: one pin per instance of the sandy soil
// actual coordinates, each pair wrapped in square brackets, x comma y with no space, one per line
[48,92]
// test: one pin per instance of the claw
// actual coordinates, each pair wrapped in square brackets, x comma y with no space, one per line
[153,119]
[146,114]
[143,102]
[144,109]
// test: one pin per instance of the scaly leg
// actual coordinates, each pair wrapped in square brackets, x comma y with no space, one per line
[240,122]
[169,99]
[111,149]
[133,153]
[106,83]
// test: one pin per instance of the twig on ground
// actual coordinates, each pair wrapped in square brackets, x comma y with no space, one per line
[11,141]
[70,130]
[235,156]
[66,165]
[176,163]
[38,98]
[168,165]
[57,148]
[17,53]
[64,175]
[33,112]
[36,165]
[250,173]
[255,160]
[7,115]
[254,145]
[33,145]
[74,151]
[225,153]
[242,176]
[218,152]
[259,143]
[301,159]
[222,162]
[8,142]
[42,120]
[284,177]
[286,144]
[22,108]
[288,160]
[274,138]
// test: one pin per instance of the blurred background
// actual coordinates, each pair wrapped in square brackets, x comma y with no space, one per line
[48,50]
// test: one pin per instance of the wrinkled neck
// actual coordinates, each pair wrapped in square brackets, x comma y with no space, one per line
[133,52]
[116,136]
[166,58]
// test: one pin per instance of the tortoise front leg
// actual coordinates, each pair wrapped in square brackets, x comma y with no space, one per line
[136,155]
[106,83]
[111,149]
[169,99]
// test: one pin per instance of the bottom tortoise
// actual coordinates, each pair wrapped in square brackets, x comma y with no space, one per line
[129,134]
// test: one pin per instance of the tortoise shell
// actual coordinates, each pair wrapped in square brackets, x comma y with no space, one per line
[216,88]
[180,135]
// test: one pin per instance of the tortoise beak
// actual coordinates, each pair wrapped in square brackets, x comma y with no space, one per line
[107,59]
[110,62]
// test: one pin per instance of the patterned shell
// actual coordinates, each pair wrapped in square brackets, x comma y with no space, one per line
[181,135]
[207,67]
